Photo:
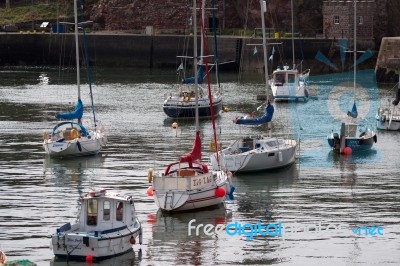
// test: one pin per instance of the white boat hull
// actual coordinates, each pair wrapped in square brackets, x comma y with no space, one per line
[75,147]
[259,157]
[78,245]
[188,193]
[388,120]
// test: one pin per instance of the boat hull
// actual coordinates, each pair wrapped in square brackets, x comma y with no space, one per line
[181,110]
[255,159]
[386,121]
[79,245]
[356,144]
[188,193]
[190,200]
[76,147]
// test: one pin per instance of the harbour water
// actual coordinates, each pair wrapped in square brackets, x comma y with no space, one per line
[334,201]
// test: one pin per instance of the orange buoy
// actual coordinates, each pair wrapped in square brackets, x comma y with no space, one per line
[150,191]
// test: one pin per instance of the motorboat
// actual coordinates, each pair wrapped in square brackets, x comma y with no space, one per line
[107,226]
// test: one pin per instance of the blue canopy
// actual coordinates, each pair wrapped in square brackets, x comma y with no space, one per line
[76,114]
[200,75]
[267,117]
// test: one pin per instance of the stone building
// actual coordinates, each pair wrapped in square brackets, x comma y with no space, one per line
[338,17]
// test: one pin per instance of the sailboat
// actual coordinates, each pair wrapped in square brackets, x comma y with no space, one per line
[69,138]
[183,102]
[188,184]
[287,83]
[353,136]
[256,153]
[388,118]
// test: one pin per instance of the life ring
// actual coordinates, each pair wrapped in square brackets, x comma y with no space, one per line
[132,240]
[150,175]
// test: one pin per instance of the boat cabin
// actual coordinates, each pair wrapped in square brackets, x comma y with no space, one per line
[285,76]
[101,211]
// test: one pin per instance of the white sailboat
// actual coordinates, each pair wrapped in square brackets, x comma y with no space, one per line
[388,117]
[107,226]
[69,138]
[353,136]
[256,153]
[287,83]
[188,184]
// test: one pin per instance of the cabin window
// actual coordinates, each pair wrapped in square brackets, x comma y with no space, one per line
[279,79]
[92,212]
[291,78]
[106,210]
[336,20]
[120,211]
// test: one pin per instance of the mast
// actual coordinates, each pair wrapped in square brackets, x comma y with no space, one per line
[77,49]
[355,49]
[215,44]
[195,64]
[294,64]
[203,4]
[263,5]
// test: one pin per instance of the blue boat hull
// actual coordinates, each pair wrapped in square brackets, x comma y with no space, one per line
[356,144]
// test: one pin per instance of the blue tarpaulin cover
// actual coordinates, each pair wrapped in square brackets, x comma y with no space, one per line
[76,114]
[200,75]
[267,117]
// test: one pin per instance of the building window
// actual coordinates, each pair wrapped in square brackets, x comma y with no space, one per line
[92,212]
[106,210]
[360,20]
[336,20]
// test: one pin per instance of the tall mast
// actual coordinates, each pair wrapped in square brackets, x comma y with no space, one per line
[195,64]
[355,48]
[263,5]
[78,77]
[294,64]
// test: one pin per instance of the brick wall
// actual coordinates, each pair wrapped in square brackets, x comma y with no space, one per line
[344,9]
[162,15]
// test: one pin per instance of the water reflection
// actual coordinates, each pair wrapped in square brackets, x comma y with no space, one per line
[72,172]
[257,194]
[171,242]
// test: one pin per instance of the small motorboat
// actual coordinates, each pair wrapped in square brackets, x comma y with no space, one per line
[107,226]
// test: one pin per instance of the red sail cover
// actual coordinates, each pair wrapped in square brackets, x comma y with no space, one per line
[195,154]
